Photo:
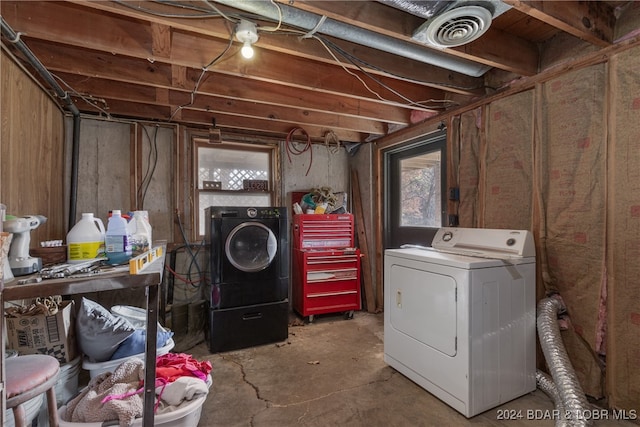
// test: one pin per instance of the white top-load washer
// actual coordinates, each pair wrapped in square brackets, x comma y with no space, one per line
[460,316]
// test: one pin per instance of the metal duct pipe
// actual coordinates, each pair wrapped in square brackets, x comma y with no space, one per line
[546,384]
[13,38]
[575,405]
[330,27]
[423,9]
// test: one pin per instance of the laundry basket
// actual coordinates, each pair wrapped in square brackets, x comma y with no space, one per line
[97,368]
[66,389]
[136,315]
[188,414]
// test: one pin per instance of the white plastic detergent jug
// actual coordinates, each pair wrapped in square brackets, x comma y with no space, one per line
[85,241]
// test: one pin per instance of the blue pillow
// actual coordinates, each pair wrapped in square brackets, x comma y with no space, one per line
[99,332]
[136,343]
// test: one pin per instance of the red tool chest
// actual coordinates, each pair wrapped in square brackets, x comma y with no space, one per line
[323,231]
[326,281]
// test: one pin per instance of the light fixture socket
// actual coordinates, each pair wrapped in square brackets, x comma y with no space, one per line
[246,32]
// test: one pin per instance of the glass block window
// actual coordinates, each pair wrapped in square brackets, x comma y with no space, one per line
[222,171]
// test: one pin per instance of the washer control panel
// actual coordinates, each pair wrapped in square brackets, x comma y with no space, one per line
[495,243]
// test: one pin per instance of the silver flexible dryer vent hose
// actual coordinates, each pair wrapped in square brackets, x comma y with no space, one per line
[546,384]
[575,407]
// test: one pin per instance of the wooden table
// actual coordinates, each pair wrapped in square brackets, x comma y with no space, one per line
[149,278]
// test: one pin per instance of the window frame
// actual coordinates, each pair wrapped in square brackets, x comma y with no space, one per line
[395,234]
[198,142]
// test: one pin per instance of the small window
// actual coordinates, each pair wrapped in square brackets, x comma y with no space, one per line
[420,191]
[414,193]
[232,175]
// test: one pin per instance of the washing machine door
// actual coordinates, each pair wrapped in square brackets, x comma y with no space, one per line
[251,247]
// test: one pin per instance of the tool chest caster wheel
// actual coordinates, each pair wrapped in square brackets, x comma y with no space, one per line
[348,315]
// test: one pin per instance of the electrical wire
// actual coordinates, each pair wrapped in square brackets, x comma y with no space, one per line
[324,42]
[218,11]
[139,8]
[85,98]
[375,67]
[202,74]
[326,45]
[194,260]
[152,162]
[329,138]
[277,27]
[187,280]
[293,150]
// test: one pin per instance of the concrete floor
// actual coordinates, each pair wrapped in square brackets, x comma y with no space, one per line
[332,373]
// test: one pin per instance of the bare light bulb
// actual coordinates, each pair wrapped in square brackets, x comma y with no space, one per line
[247,34]
[247,50]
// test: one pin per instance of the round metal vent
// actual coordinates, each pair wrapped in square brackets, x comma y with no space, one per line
[458,26]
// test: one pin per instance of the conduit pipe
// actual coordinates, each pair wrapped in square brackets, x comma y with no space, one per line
[319,24]
[574,406]
[14,39]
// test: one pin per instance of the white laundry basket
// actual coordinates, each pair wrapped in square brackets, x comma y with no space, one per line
[136,315]
[66,388]
[31,407]
[187,415]
[97,368]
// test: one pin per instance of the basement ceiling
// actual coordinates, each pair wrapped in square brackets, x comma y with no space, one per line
[356,70]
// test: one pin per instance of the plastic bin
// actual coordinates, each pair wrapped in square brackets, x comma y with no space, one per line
[31,408]
[186,415]
[136,315]
[97,368]
[66,389]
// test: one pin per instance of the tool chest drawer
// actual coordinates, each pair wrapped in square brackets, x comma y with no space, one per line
[326,281]
[315,231]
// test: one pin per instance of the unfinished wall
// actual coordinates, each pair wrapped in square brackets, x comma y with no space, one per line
[114,159]
[563,162]
[466,164]
[321,165]
[32,134]
[507,154]
[623,232]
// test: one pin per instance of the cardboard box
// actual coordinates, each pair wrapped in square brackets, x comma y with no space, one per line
[39,334]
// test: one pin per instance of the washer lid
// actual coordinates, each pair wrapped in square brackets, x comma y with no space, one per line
[452,260]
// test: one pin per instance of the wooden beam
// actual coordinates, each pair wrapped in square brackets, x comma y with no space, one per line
[365,267]
[138,71]
[136,110]
[143,37]
[510,54]
[592,21]
[100,88]
[385,63]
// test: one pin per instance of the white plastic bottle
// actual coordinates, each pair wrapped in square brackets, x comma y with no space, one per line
[141,236]
[117,239]
[85,241]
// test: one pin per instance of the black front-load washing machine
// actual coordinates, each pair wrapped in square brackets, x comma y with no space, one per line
[249,276]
